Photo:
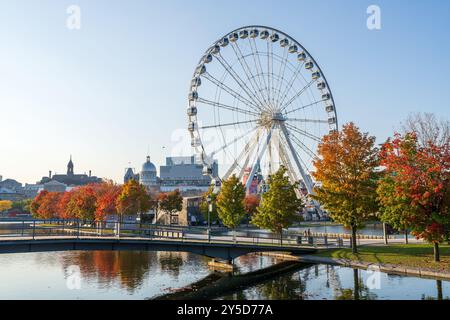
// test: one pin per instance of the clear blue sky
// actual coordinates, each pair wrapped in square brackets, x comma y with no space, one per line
[116,88]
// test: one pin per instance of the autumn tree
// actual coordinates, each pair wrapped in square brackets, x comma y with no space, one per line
[346,171]
[5,205]
[107,194]
[133,199]
[279,206]
[421,176]
[251,203]
[48,208]
[230,203]
[83,203]
[171,202]
[64,210]
[36,203]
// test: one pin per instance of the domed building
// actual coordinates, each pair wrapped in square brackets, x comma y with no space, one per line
[148,176]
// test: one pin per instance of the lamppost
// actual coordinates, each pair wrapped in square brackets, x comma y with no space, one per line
[209,200]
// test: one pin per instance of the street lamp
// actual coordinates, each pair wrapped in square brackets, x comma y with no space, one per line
[209,200]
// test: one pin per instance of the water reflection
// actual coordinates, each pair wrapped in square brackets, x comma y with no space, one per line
[339,283]
[141,275]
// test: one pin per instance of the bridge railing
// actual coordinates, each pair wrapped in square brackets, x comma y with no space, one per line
[41,229]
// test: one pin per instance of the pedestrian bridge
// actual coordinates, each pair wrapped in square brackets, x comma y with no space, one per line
[215,249]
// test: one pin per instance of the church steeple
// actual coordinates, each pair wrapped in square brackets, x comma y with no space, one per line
[70,167]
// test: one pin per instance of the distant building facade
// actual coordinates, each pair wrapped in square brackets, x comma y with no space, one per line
[186,175]
[11,184]
[11,195]
[71,179]
[54,186]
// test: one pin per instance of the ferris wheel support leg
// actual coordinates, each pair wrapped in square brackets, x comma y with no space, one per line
[258,160]
[306,178]
[247,149]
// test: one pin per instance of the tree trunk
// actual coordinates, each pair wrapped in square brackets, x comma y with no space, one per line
[437,256]
[354,244]
[385,235]
[406,236]
[281,237]
[440,295]
[356,288]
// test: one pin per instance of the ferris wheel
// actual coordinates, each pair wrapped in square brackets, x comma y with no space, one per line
[259,100]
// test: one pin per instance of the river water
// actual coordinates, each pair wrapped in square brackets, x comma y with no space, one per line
[144,275]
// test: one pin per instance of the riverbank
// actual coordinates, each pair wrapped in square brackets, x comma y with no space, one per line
[219,284]
[412,259]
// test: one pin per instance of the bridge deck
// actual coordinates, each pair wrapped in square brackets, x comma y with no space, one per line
[215,249]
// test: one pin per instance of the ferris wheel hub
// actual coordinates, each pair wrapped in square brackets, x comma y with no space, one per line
[268,119]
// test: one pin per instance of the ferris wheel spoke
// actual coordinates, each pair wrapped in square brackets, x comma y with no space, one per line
[281,73]
[248,72]
[230,91]
[258,65]
[306,120]
[239,81]
[303,146]
[230,143]
[291,82]
[304,133]
[269,70]
[305,106]
[224,106]
[226,124]
[298,94]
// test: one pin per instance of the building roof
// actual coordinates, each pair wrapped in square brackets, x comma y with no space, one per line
[148,166]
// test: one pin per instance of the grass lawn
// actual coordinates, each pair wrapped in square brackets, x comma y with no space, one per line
[411,255]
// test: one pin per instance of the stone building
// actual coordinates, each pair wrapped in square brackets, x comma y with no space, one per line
[70,178]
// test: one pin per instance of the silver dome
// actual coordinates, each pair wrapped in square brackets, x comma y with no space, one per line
[148,166]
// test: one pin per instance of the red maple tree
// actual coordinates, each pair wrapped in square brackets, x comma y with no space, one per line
[421,174]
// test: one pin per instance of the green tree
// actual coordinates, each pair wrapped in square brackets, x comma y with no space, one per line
[204,206]
[22,205]
[347,171]
[230,203]
[394,210]
[279,207]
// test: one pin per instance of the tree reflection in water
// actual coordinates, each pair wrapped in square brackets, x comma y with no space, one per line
[359,291]
[171,262]
[127,268]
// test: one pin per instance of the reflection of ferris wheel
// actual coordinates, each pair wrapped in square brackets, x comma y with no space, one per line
[259,100]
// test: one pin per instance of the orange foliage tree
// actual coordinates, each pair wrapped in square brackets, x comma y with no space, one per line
[106,194]
[346,170]
[133,199]
[83,203]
